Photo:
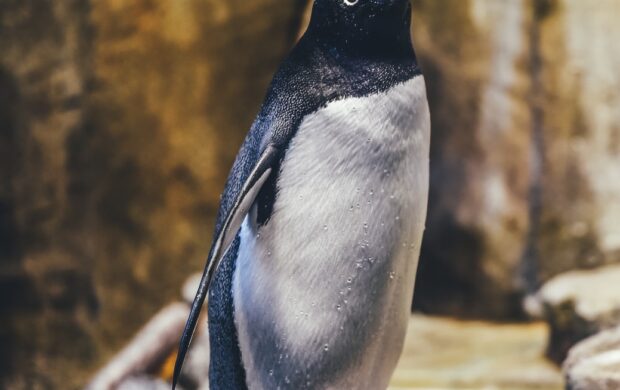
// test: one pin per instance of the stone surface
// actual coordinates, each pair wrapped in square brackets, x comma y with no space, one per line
[446,354]
[579,304]
[47,296]
[594,364]
[153,343]
[479,85]
[525,161]
[580,206]
[143,383]
[190,287]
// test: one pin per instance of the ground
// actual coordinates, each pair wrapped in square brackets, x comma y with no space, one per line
[446,354]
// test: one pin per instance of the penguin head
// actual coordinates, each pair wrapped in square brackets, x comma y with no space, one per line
[362,27]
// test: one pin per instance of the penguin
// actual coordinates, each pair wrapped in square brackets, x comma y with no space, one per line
[311,272]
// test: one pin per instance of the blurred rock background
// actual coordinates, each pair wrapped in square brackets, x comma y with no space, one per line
[120,119]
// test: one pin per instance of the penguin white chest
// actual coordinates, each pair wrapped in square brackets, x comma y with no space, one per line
[322,292]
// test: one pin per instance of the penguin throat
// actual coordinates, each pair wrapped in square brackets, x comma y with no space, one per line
[380,38]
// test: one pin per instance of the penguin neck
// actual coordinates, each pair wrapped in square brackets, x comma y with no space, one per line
[382,42]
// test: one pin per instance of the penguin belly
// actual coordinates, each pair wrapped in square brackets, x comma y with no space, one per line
[323,291]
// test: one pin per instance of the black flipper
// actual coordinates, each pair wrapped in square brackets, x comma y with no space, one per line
[242,204]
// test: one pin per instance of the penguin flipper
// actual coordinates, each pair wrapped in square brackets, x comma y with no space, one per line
[232,223]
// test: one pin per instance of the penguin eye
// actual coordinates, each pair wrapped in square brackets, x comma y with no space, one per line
[351,2]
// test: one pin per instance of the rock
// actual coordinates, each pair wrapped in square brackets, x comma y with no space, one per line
[580,206]
[43,83]
[119,122]
[579,304]
[190,287]
[143,383]
[594,364]
[150,347]
[525,149]
[479,92]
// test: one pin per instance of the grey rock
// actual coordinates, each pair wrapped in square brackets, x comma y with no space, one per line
[151,345]
[594,364]
[143,383]
[478,211]
[188,291]
[580,205]
[579,304]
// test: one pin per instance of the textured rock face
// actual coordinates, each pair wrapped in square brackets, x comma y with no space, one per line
[478,83]
[581,171]
[46,292]
[147,349]
[594,364]
[118,123]
[525,158]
